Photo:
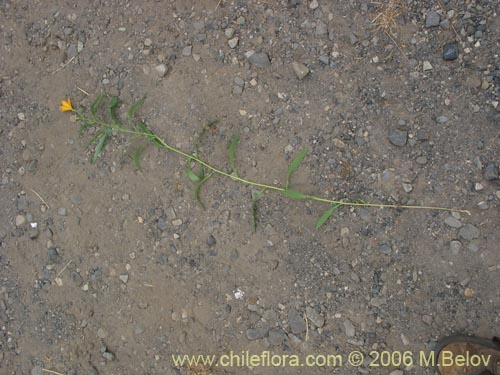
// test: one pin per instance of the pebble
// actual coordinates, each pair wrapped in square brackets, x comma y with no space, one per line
[37,370]
[398,137]
[315,317]
[123,278]
[186,51]
[233,43]
[301,71]
[432,19]
[426,66]
[177,222]
[53,255]
[407,187]
[229,32]
[421,160]
[427,319]
[211,241]
[450,52]
[259,59]
[490,171]
[349,328]
[453,222]
[441,119]
[162,224]
[161,70]
[469,232]
[256,333]
[455,247]
[62,211]
[148,42]
[385,249]
[483,205]
[20,220]
[296,322]
[276,337]
[101,333]
[314,4]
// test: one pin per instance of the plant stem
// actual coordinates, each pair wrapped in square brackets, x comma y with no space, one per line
[160,143]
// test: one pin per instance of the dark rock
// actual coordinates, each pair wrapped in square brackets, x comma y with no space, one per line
[296,322]
[211,241]
[256,333]
[398,137]
[53,255]
[276,337]
[490,171]
[162,224]
[77,278]
[432,19]
[450,52]
[260,60]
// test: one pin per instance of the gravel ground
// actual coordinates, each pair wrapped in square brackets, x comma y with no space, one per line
[105,269]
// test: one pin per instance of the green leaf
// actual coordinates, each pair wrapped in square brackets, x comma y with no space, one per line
[134,108]
[99,147]
[137,157]
[96,104]
[198,187]
[115,102]
[232,151]
[192,176]
[294,165]
[323,219]
[95,137]
[294,194]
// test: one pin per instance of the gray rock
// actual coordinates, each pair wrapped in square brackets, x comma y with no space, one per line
[77,278]
[162,224]
[315,317]
[441,119]
[259,59]
[324,59]
[53,255]
[233,43]
[37,370]
[321,28]
[256,333]
[432,19]
[296,322]
[161,70]
[301,71]
[455,247]
[398,137]
[109,356]
[276,337]
[20,220]
[349,328]
[229,32]
[186,51]
[469,232]
[450,52]
[72,51]
[453,222]
[62,211]
[490,171]
[211,241]
[385,249]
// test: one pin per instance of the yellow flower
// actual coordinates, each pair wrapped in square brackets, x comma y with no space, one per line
[66,105]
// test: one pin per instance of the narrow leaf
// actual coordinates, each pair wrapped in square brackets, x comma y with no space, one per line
[99,147]
[85,126]
[324,218]
[95,137]
[294,194]
[192,176]
[198,187]
[232,151]
[115,102]
[96,104]
[137,157]
[134,108]
[294,165]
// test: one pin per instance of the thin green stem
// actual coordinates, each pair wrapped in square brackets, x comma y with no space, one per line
[160,143]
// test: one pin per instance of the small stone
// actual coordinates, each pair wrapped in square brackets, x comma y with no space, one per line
[239,81]
[385,249]
[450,52]
[321,29]
[455,247]
[349,328]
[62,211]
[432,19]
[148,42]
[315,317]
[301,71]
[138,330]
[37,370]
[469,292]
[276,337]
[77,278]
[109,356]
[53,255]
[483,205]
[441,119]
[398,137]
[296,322]
[407,187]
[490,171]
[453,222]
[229,32]
[161,70]
[101,333]
[259,59]
[469,232]
[313,4]
[20,220]
[186,51]
[233,42]
[162,224]
[256,333]
[426,66]
[478,186]
[324,59]
[211,241]
[485,85]
[427,319]
[421,160]
[177,222]
[123,278]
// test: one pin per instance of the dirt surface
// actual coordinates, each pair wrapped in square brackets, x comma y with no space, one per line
[109,270]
